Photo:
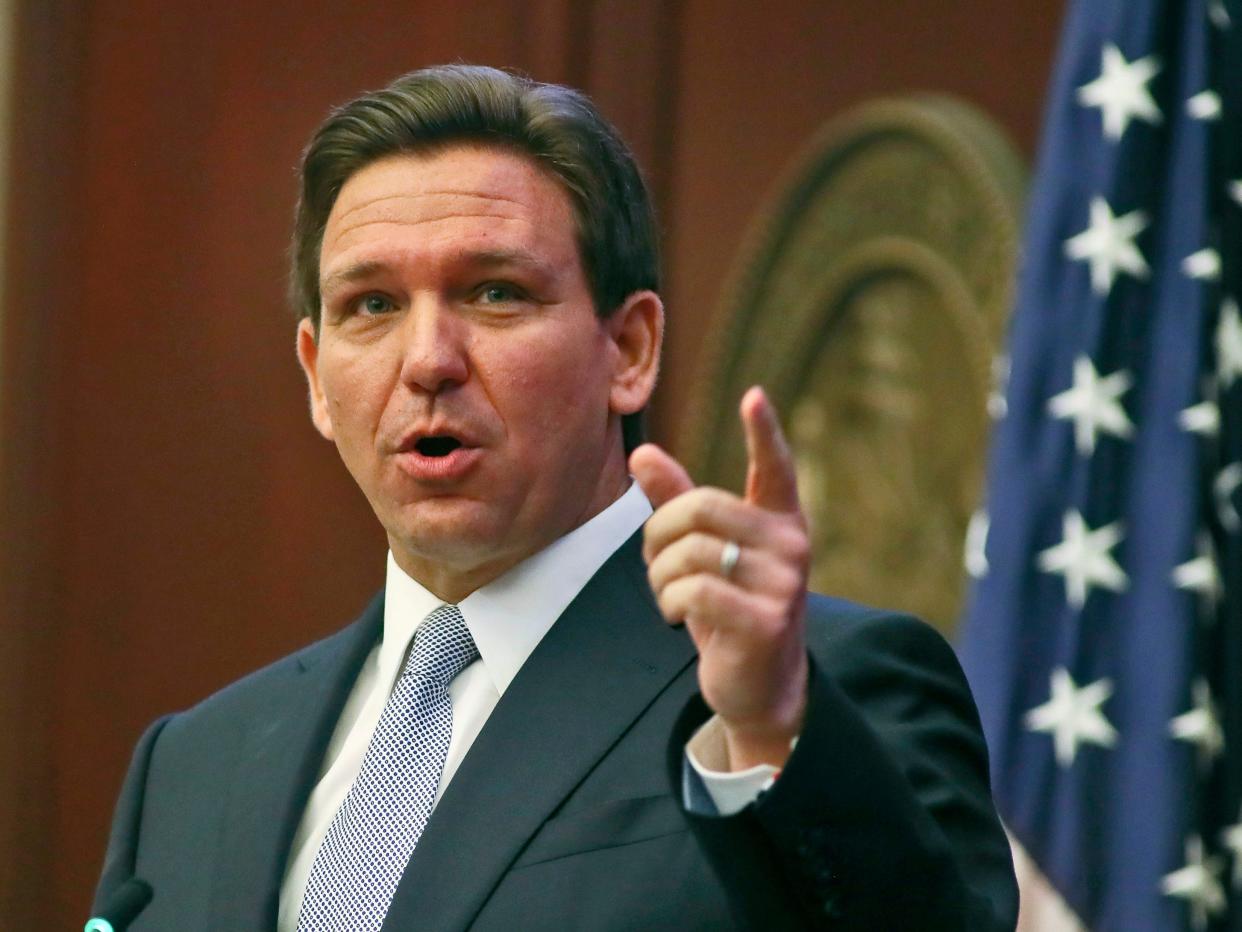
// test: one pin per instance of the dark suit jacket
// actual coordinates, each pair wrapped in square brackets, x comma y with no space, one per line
[566,813]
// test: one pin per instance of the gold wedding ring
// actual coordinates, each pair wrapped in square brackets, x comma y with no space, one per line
[728,558]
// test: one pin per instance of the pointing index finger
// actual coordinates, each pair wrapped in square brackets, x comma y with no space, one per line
[771,481]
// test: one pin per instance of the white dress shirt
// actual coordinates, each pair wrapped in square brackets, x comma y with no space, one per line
[507,619]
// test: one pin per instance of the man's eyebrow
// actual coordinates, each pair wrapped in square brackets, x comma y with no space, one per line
[485,259]
[501,257]
[351,273]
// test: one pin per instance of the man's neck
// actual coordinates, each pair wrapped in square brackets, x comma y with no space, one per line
[450,583]
[453,583]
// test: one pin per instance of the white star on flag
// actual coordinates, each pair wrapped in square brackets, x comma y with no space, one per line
[1121,91]
[1201,574]
[1203,265]
[1094,405]
[1083,558]
[1073,717]
[1205,105]
[1108,245]
[1228,343]
[1231,838]
[1198,883]
[976,544]
[1201,725]
[1223,487]
[1218,14]
[1202,419]
[998,405]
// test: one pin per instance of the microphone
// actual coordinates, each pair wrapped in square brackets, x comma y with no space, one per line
[122,907]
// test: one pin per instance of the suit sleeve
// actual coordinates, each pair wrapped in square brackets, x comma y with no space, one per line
[127,819]
[882,817]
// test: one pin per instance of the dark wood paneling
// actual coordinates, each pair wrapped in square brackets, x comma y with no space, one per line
[170,518]
[634,80]
[42,256]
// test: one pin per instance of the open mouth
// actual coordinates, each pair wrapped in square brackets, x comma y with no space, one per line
[437,446]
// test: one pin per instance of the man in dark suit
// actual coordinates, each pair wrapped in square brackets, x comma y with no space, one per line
[549,718]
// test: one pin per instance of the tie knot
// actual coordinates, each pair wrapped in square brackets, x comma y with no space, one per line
[442,647]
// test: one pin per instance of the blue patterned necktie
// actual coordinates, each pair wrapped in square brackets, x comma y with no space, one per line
[374,832]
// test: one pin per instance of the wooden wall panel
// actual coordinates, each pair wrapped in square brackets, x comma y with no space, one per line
[170,518]
[634,81]
[40,256]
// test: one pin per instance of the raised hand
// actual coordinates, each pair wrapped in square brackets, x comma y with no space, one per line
[734,570]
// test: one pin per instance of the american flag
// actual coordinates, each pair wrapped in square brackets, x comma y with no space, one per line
[1104,633]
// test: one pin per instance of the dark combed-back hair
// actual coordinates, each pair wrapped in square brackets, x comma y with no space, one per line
[557,127]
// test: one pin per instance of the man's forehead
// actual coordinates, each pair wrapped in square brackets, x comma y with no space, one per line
[467,178]
[380,201]
[449,191]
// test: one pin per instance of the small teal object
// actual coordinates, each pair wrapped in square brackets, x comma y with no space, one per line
[121,907]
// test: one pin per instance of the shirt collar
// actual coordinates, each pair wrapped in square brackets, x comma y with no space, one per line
[510,615]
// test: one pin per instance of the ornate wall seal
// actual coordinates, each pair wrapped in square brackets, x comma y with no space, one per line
[871,302]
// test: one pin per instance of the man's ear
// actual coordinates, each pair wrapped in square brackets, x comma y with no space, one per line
[637,330]
[308,356]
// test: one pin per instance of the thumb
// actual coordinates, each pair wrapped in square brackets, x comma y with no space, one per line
[660,476]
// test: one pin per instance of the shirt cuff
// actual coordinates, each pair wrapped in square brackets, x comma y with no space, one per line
[729,792]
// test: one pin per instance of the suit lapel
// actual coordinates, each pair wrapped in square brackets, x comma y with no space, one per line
[279,762]
[603,662]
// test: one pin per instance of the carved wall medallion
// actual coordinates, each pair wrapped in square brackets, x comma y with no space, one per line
[871,302]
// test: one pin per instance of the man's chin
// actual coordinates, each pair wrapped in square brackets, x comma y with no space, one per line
[461,537]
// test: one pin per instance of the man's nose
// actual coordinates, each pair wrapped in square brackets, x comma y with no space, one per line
[433,347]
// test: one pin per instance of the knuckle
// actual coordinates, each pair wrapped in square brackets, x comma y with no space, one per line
[700,588]
[797,545]
[649,542]
[707,503]
[701,508]
[676,564]
[691,546]
[786,581]
[669,604]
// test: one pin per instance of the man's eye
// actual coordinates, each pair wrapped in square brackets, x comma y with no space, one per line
[498,294]
[374,304]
